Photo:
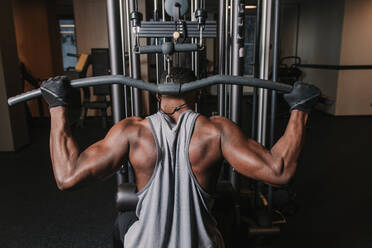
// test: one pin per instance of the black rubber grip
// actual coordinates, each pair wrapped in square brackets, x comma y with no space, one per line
[189,47]
[150,49]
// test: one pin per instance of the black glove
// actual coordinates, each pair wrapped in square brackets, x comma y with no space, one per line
[302,97]
[56,91]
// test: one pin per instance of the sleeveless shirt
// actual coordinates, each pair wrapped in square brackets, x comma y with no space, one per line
[173,209]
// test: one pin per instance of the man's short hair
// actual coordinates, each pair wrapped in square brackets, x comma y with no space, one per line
[178,75]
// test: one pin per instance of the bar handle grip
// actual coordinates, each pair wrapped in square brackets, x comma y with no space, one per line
[24,97]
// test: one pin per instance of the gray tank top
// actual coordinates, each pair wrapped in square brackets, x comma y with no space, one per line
[173,210]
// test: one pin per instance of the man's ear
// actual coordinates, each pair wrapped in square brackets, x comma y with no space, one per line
[158,97]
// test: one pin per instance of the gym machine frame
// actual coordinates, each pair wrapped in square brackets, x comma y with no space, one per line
[231,37]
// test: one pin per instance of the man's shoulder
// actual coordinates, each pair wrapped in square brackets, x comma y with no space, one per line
[216,120]
[213,123]
[132,124]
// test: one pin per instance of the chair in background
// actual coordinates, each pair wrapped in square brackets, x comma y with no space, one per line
[100,61]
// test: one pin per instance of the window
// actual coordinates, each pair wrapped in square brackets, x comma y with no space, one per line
[68,43]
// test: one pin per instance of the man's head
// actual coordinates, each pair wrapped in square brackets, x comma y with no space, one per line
[180,76]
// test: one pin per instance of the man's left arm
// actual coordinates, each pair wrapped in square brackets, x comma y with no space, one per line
[98,161]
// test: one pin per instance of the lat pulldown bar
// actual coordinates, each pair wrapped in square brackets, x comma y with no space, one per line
[167,88]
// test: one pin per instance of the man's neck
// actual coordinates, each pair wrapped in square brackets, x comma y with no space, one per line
[175,107]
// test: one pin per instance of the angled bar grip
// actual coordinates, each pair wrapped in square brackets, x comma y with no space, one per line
[167,89]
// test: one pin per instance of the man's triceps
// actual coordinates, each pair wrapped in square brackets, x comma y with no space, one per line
[105,157]
[98,161]
[248,157]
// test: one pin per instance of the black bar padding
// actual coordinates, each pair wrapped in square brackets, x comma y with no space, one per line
[188,47]
[126,198]
[150,49]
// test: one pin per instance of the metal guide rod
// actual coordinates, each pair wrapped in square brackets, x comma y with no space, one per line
[264,74]
[256,69]
[113,21]
[275,71]
[230,35]
[129,41]
[164,39]
[195,40]
[116,65]
[136,65]
[273,92]
[264,70]
[221,51]
[230,51]
[192,11]
[156,43]
[227,56]
[122,32]
[237,56]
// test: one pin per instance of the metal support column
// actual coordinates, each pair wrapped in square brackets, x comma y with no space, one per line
[256,70]
[273,92]
[195,55]
[136,66]
[156,18]
[116,63]
[237,62]
[113,21]
[129,47]
[264,70]
[122,32]
[264,74]
[221,51]
[227,56]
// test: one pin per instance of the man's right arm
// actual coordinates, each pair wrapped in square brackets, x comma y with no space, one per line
[279,164]
[275,166]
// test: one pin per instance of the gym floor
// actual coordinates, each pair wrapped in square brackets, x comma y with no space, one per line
[332,186]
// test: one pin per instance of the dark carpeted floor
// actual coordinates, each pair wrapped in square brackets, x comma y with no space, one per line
[332,184]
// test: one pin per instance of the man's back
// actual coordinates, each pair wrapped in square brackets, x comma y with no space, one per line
[204,151]
[173,208]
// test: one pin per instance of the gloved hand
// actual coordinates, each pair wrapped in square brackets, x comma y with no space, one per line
[56,91]
[302,97]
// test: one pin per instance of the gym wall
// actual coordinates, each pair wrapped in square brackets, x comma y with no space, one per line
[335,32]
[354,96]
[38,42]
[13,127]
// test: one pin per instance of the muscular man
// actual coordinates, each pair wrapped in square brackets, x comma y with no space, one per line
[176,156]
